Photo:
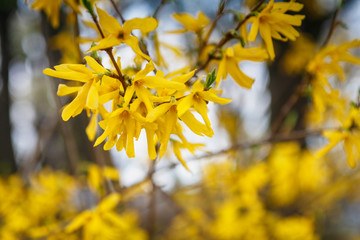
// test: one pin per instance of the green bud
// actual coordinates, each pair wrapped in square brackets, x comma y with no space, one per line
[238,16]
[255,13]
[222,5]
[210,79]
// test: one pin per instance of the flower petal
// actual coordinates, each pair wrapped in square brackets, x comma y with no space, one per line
[145,25]
[108,22]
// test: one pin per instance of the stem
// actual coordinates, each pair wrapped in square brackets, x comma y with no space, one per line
[212,27]
[109,52]
[97,25]
[121,77]
[227,37]
[295,135]
[162,3]
[332,27]
[118,11]
[285,109]
[255,8]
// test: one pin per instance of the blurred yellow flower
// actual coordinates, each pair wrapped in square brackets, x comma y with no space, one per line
[52,9]
[273,22]
[190,23]
[229,64]
[350,136]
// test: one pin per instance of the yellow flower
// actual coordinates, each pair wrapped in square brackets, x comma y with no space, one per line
[166,116]
[115,34]
[87,94]
[64,42]
[169,112]
[351,144]
[190,23]
[298,56]
[52,9]
[104,223]
[272,22]
[327,60]
[184,144]
[141,81]
[124,122]
[98,175]
[229,64]
[197,99]
[292,228]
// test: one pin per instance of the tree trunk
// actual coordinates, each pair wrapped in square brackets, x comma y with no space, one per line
[7,158]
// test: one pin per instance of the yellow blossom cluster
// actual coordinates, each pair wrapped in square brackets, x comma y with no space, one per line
[326,64]
[146,98]
[277,196]
[250,201]
[51,206]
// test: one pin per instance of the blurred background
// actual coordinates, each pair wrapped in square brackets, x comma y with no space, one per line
[33,136]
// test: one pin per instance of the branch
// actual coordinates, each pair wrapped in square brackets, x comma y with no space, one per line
[228,36]
[162,3]
[109,51]
[286,108]
[332,27]
[118,11]
[295,135]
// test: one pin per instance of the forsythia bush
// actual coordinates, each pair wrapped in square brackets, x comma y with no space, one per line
[283,191]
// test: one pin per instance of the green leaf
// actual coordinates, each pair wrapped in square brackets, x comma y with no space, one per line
[88,6]
[210,79]
[343,25]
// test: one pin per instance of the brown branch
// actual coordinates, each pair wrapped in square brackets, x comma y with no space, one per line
[162,3]
[255,8]
[219,14]
[286,108]
[295,135]
[45,133]
[118,11]
[332,27]
[109,52]
[227,37]
[292,136]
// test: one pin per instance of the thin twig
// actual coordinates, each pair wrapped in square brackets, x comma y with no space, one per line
[109,52]
[285,109]
[227,37]
[118,11]
[332,27]
[292,136]
[255,8]
[219,14]
[162,3]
